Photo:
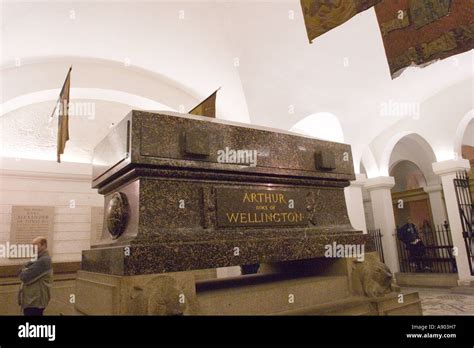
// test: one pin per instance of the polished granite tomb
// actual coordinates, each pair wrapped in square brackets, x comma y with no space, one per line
[186,192]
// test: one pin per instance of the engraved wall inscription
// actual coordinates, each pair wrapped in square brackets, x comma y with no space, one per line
[29,222]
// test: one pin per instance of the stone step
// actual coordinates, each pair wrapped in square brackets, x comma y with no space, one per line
[350,306]
[237,296]
[463,290]
[390,301]
[390,305]
[407,308]
[438,280]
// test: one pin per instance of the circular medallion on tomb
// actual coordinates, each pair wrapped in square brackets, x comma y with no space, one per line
[117,214]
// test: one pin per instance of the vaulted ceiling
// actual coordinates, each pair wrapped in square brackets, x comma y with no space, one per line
[172,54]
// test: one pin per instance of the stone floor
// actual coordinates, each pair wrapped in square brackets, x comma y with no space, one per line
[437,301]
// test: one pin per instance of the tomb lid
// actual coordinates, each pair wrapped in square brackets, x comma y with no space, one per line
[181,141]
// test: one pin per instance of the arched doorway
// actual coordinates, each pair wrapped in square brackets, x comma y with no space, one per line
[410,201]
[410,164]
[423,238]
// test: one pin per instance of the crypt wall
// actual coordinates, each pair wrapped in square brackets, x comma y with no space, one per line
[66,187]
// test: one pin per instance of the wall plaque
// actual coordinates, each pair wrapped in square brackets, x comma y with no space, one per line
[29,222]
[240,207]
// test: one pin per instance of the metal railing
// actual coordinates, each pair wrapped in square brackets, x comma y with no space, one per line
[377,236]
[433,255]
[466,213]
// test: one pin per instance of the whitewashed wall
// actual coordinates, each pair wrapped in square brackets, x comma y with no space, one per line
[33,182]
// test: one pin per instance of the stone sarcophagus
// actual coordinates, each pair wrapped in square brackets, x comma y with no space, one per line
[186,192]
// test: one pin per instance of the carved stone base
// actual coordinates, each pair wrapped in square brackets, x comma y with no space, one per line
[318,286]
[155,294]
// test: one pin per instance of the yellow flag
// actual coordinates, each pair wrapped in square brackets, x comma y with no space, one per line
[207,107]
[421,32]
[321,16]
[63,118]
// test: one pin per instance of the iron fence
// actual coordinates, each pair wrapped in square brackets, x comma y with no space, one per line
[466,213]
[434,254]
[377,236]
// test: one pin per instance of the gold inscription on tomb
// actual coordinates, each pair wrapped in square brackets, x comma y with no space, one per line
[248,207]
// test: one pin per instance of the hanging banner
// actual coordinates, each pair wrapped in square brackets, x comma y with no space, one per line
[419,32]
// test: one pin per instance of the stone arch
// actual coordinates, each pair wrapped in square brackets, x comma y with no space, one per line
[407,175]
[39,80]
[369,163]
[460,132]
[415,141]
[110,95]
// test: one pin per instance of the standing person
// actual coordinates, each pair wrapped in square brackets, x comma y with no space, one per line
[408,234]
[36,281]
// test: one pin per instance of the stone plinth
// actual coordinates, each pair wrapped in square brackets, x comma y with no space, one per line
[306,287]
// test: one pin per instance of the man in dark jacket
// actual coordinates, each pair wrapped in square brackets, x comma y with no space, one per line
[408,234]
[36,281]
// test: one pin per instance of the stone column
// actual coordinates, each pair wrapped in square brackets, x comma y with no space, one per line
[369,215]
[381,199]
[438,210]
[447,171]
[355,203]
